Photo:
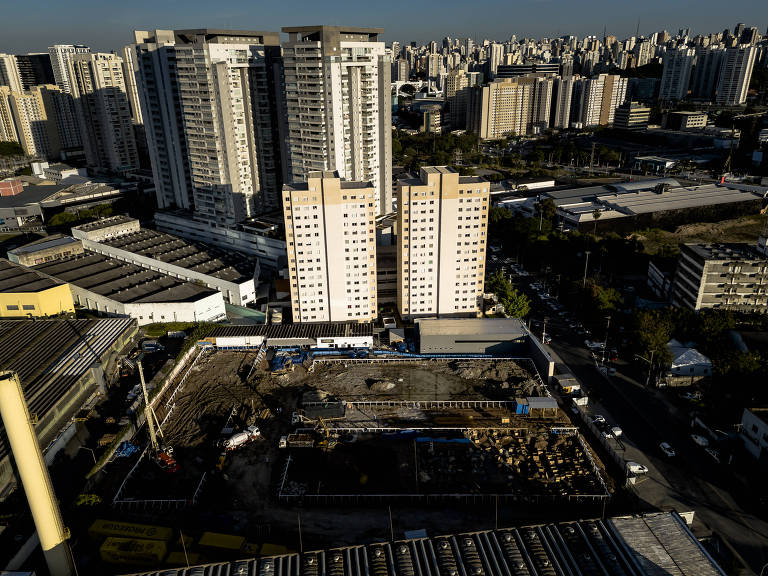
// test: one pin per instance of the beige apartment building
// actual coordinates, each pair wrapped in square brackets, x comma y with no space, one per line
[442,225]
[330,234]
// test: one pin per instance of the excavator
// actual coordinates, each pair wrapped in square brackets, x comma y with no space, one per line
[329,440]
[161,454]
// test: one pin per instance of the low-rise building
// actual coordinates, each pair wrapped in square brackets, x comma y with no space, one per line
[116,288]
[46,249]
[122,238]
[754,431]
[688,365]
[25,293]
[61,364]
[631,116]
[729,276]
[682,120]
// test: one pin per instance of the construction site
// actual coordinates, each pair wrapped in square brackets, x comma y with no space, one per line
[249,433]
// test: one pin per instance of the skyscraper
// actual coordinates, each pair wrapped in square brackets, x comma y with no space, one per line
[7,127]
[330,234]
[61,54]
[9,73]
[128,54]
[735,74]
[98,88]
[210,101]
[35,69]
[561,102]
[442,222]
[502,108]
[706,75]
[35,122]
[338,101]
[676,76]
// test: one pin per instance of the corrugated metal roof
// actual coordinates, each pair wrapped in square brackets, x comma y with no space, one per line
[297,331]
[633,546]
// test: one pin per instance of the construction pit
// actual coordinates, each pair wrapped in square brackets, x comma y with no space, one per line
[419,438]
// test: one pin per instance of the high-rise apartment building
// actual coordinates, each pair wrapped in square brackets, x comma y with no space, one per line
[400,70]
[9,73]
[676,76]
[330,235]
[502,108]
[442,231]
[7,127]
[542,104]
[101,103]
[61,54]
[337,93]
[128,54]
[561,102]
[598,99]
[457,95]
[709,61]
[35,121]
[210,105]
[735,74]
[229,113]
[495,58]
[35,69]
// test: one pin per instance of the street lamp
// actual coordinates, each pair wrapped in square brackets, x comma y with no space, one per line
[650,366]
[586,263]
[605,344]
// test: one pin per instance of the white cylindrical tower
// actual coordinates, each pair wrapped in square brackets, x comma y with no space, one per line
[34,475]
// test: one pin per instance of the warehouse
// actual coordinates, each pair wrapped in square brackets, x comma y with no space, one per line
[25,293]
[653,544]
[122,238]
[45,250]
[117,288]
[60,363]
[319,335]
[646,203]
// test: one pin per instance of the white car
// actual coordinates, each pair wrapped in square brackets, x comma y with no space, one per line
[668,451]
[594,345]
[700,440]
[598,418]
[636,468]
[617,431]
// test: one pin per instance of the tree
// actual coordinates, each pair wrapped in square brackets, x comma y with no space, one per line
[596,214]
[516,304]
[652,330]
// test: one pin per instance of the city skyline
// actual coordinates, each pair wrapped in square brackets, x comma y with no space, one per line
[106,27]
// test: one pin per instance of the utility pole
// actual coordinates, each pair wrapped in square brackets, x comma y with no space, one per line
[592,160]
[605,343]
[544,331]
[586,263]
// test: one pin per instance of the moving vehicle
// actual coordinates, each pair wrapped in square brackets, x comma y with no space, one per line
[700,440]
[598,418]
[617,431]
[668,451]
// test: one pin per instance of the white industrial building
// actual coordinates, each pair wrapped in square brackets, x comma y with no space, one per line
[123,239]
[309,335]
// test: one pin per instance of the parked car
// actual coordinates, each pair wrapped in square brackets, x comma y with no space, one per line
[636,468]
[611,371]
[616,431]
[598,418]
[700,440]
[668,451]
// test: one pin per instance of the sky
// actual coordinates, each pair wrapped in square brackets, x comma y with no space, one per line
[104,25]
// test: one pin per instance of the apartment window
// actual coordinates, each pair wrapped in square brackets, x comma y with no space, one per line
[12,307]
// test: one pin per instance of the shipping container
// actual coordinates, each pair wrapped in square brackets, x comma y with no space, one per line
[133,551]
[105,528]
[222,541]
[268,549]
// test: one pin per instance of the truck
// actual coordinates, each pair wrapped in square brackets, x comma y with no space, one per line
[241,438]
[133,551]
[105,528]
[297,441]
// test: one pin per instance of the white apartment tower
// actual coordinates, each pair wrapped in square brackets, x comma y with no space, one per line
[61,54]
[7,127]
[226,101]
[735,75]
[676,76]
[101,103]
[209,101]
[9,73]
[561,102]
[337,93]
[330,235]
[443,223]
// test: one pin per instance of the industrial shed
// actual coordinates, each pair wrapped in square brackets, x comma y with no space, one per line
[306,334]
[118,288]
[60,363]
[651,545]
[498,336]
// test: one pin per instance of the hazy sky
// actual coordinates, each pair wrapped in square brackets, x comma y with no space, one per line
[33,25]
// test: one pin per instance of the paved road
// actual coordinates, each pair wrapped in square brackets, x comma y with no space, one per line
[690,481]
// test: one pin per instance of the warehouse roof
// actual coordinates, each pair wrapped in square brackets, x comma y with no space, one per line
[230,266]
[122,282]
[303,330]
[104,223]
[51,355]
[16,278]
[32,194]
[457,326]
[44,244]
[653,544]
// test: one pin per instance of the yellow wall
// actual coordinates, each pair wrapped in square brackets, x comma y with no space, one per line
[49,302]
